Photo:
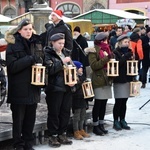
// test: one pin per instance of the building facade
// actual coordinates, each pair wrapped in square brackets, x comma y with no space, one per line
[71,8]
[141,7]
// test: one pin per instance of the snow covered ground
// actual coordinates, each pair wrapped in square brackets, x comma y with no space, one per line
[138,138]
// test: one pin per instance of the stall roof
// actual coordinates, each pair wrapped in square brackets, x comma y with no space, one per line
[108,16]
[4,18]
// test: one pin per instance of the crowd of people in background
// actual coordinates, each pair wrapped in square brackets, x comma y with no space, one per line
[63,46]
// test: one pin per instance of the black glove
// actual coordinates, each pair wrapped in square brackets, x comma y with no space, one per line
[36,59]
[128,55]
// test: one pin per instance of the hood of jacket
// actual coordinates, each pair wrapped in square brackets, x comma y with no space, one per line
[134,37]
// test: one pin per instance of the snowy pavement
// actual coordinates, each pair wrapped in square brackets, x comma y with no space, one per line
[138,138]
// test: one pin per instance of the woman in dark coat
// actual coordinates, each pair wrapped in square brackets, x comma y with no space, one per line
[121,83]
[58,95]
[23,97]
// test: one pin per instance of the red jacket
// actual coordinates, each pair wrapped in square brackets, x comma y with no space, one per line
[137,45]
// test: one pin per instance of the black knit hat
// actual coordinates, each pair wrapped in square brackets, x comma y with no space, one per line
[77,29]
[57,36]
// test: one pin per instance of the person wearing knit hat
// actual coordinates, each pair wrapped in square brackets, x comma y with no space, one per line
[78,64]
[57,26]
[76,32]
[79,44]
[79,105]
[77,29]
[57,13]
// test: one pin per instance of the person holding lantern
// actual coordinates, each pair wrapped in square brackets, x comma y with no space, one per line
[58,95]
[121,84]
[79,105]
[21,54]
[98,59]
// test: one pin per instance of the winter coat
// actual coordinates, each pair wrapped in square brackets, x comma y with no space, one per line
[136,46]
[19,63]
[113,41]
[122,58]
[78,46]
[99,76]
[61,27]
[55,70]
[146,50]
[78,97]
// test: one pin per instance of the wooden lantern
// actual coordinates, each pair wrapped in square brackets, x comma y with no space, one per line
[70,75]
[112,68]
[87,89]
[132,67]
[135,88]
[38,74]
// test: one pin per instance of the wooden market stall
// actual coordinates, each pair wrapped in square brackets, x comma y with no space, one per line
[107,18]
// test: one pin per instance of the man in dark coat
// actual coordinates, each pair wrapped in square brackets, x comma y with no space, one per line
[22,96]
[146,52]
[113,39]
[79,44]
[58,26]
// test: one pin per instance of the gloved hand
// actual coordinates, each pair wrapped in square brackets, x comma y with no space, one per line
[128,54]
[36,59]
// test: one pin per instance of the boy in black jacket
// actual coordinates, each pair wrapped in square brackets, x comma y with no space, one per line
[79,105]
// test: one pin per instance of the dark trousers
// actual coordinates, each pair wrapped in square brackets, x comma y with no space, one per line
[99,110]
[119,110]
[59,107]
[23,123]
[144,74]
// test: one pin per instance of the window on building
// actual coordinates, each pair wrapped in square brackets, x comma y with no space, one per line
[70,10]
[135,12]
[9,12]
[131,1]
[97,6]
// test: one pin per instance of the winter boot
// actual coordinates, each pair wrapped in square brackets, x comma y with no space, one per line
[83,133]
[53,141]
[124,125]
[77,135]
[64,140]
[143,85]
[101,127]
[117,125]
[97,131]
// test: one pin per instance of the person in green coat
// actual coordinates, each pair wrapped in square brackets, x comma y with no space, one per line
[98,59]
